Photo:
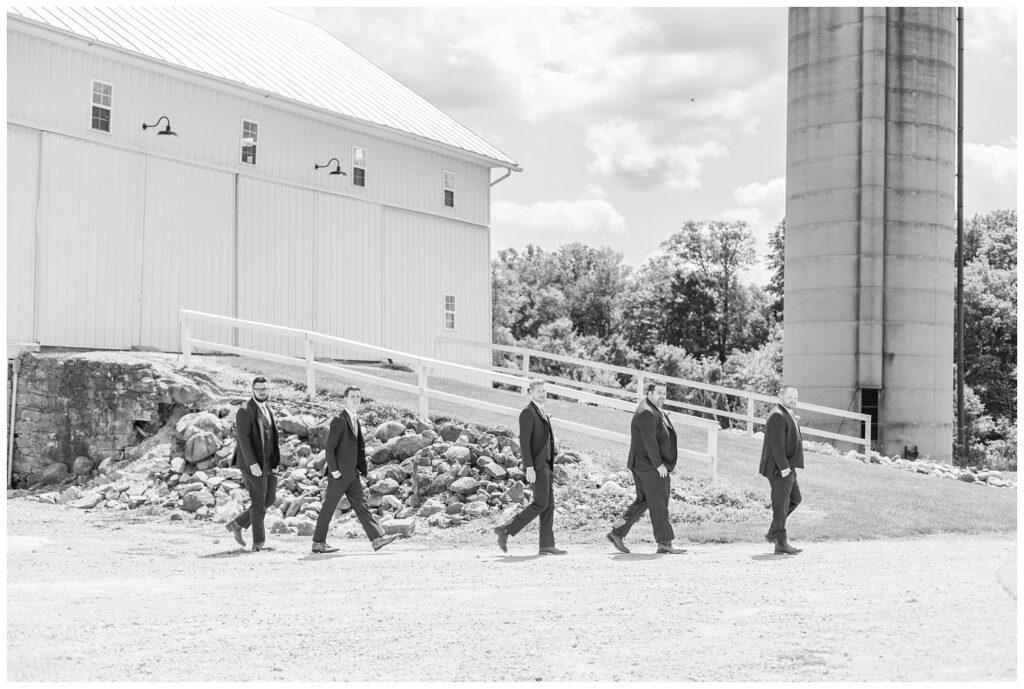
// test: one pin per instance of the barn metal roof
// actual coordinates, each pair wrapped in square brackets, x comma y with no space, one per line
[271,51]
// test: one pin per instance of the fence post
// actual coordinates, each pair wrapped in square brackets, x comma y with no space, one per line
[713,452]
[867,441]
[421,375]
[640,388]
[310,373]
[526,373]
[750,416]
[186,341]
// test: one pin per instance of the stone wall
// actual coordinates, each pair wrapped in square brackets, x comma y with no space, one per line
[87,405]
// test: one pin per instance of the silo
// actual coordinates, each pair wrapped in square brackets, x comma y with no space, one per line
[870,214]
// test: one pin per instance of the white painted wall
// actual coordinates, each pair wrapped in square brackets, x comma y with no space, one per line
[22,204]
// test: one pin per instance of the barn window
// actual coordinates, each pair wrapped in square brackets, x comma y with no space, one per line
[101,105]
[449,189]
[358,166]
[250,131]
[449,312]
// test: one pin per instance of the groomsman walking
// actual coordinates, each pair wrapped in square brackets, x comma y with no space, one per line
[782,453]
[537,442]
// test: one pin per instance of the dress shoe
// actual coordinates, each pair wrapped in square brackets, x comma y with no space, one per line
[236,531]
[502,533]
[665,548]
[379,543]
[768,537]
[550,550]
[782,547]
[324,548]
[256,546]
[616,540]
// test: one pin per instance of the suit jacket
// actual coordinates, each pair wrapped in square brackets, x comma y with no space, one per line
[346,450]
[249,449]
[536,439]
[652,439]
[782,446]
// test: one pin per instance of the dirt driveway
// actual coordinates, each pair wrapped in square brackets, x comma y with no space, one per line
[93,597]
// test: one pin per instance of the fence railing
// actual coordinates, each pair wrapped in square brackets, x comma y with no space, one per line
[423,367]
[587,392]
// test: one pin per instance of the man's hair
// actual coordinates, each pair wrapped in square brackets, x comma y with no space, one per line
[655,384]
[258,379]
[782,390]
[349,389]
[535,383]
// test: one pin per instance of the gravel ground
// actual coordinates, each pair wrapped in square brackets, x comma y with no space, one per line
[105,596]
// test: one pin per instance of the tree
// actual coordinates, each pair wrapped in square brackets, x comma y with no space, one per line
[718,251]
[776,260]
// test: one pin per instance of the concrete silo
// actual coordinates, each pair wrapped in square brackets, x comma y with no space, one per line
[870,219]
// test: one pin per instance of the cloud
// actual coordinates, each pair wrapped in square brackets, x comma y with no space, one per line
[991,33]
[592,214]
[990,177]
[761,205]
[630,152]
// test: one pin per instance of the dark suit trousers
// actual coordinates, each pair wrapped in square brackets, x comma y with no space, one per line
[543,506]
[652,493]
[336,487]
[785,498]
[263,493]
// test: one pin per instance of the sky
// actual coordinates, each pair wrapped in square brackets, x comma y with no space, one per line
[630,121]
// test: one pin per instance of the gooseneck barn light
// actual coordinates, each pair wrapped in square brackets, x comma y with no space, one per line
[165,131]
[335,171]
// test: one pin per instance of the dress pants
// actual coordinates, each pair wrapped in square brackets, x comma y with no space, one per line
[353,488]
[543,506]
[785,498]
[263,493]
[652,493]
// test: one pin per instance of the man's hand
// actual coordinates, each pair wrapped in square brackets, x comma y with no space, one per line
[531,475]
[662,471]
[786,471]
[255,470]
[336,474]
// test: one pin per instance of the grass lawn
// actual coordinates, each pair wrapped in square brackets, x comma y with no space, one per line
[842,499]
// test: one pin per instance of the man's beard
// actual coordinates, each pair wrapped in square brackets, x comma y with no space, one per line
[260,398]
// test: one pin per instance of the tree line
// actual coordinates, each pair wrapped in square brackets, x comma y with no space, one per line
[686,312]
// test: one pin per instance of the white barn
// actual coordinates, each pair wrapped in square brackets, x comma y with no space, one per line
[112,227]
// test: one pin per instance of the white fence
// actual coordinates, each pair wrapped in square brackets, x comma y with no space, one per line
[599,394]
[423,367]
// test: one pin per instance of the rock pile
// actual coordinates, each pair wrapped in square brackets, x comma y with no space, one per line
[924,466]
[445,474]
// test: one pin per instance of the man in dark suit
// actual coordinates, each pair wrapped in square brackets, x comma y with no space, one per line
[345,463]
[781,455]
[652,456]
[537,443]
[257,455]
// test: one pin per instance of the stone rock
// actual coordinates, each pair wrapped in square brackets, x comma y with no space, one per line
[462,455]
[995,481]
[383,454]
[966,477]
[178,465]
[402,527]
[560,475]
[299,424]
[184,392]
[495,471]
[201,445]
[612,488]
[318,434]
[277,525]
[82,466]
[54,473]
[476,509]
[304,527]
[431,506]
[385,486]
[391,503]
[455,508]
[199,422]
[449,431]
[226,510]
[396,473]
[373,500]
[464,485]
[514,493]
[428,434]
[87,502]
[69,494]
[191,502]
[207,464]
[388,430]
[344,504]
[408,445]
